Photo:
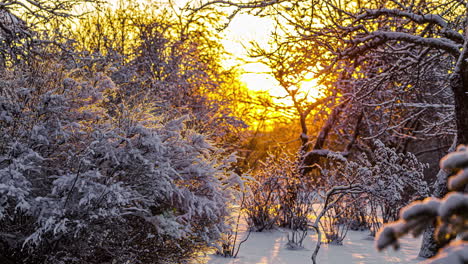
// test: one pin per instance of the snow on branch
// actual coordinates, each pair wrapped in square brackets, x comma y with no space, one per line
[455,160]
[365,45]
[326,153]
[420,19]
[377,38]
[425,105]
[240,5]
[44,8]
[417,216]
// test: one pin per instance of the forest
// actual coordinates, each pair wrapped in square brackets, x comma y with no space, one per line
[320,131]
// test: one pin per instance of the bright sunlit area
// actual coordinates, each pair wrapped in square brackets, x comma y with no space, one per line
[239,35]
[233,132]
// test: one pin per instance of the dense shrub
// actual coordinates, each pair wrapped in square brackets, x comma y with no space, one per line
[84,182]
[389,181]
[280,195]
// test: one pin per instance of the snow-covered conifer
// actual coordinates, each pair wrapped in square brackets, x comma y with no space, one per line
[450,214]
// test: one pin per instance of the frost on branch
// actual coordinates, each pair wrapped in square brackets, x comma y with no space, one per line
[450,215]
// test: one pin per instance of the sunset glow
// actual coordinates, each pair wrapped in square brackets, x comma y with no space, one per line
[245,29]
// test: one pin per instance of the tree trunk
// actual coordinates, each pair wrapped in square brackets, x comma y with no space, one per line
[429,246]
[460,92]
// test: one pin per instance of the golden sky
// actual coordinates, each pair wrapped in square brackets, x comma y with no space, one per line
[237,37]
[241,31]
[247,28]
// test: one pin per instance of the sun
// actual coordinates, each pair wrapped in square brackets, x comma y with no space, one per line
[237,38]
[312,88]
[243,30]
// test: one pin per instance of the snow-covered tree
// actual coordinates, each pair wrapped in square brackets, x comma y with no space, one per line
[83,182]
[449,214]
[163,54]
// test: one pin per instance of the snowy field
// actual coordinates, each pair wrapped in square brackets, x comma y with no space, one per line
[269,248]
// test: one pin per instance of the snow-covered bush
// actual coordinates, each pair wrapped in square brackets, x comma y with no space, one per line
[280,195]
[260,208]
[83,182]
[334,223]
[450,214]
[338,218]
[393,179]
[389,180]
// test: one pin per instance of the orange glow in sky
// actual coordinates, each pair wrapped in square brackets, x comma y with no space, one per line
[242,30]
[245,29]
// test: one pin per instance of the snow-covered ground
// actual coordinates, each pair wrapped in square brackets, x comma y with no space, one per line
[269,248]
